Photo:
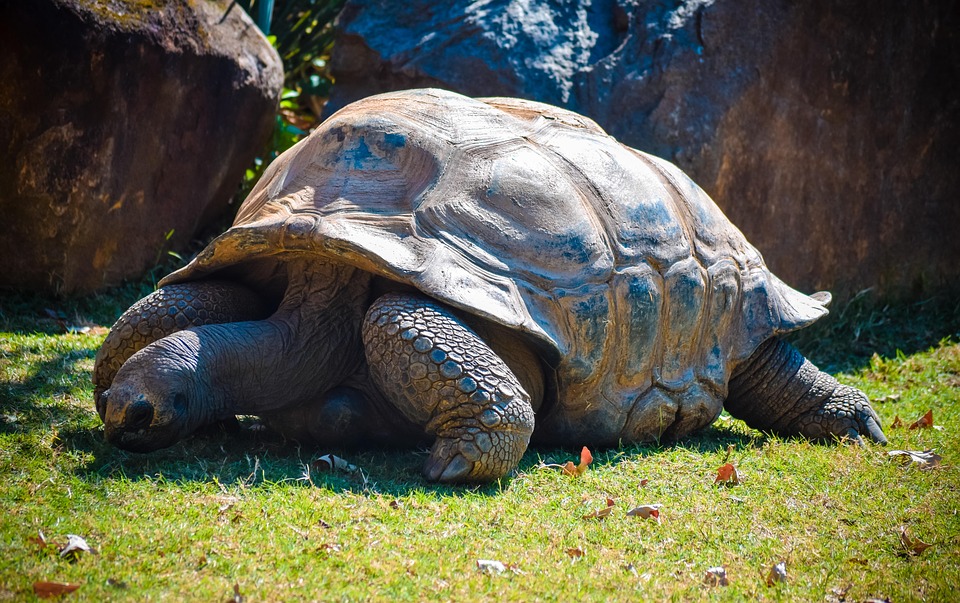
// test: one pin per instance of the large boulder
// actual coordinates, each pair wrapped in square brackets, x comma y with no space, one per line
[120,123]
[828,131]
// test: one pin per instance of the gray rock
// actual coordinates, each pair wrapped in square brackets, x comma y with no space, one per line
[827,131]
[121,123]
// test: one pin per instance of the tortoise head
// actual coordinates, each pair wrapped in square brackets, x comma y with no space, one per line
[154,400]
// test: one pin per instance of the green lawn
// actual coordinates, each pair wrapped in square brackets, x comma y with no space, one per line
[240,512]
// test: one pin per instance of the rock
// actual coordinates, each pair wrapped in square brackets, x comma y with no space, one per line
[826,131]
[122,122]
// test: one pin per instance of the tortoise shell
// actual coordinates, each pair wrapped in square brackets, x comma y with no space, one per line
[641,294]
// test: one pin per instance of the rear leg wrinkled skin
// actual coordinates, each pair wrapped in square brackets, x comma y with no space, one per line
[442,376]
[779,390]
[164,312]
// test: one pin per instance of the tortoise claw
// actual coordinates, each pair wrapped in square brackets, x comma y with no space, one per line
[452,471]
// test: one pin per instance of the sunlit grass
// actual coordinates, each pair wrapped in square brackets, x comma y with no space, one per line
[242,508]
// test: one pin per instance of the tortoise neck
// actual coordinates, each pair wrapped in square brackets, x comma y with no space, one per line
[310,344]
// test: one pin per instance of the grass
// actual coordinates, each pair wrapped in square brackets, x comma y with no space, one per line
[239,514]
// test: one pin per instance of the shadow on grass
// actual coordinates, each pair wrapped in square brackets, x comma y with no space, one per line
[846,339]
[241,456]
[844,342]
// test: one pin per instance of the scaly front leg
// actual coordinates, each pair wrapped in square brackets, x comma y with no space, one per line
[443,376]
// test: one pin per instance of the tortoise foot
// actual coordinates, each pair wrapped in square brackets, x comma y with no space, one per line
[779,390]
[846,413]
[442,376]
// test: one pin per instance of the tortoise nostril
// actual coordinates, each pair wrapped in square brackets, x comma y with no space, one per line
[139,415]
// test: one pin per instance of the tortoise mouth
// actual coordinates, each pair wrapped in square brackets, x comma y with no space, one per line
[133,423]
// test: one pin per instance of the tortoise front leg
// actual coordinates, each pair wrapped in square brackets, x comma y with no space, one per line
[777,389]
[444,377]
[165,311]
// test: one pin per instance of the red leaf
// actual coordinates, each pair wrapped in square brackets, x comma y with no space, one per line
[924,422]
[727,475]
[897,422]
[45,590]
[585,458]
[574,470]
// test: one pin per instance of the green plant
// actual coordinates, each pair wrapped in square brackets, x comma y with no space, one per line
[302,32]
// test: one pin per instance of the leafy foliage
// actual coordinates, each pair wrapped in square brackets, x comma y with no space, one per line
[302,32]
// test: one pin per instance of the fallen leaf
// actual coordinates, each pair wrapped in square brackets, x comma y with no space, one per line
[644,482]
[912,544]
[237,597]
[716,576]
[924,422]
[328,547]
[884,399]
[575,553]
[491,566]
[727,475]
[396,504]
[75,545]
[601,513]
[513,567]
[585,459]
[40,540]
[777,573]
[925,459]
[646,511]
[330,462]
[45,590]
[897,422]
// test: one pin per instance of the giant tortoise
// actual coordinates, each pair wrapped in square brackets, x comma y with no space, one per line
[472,272]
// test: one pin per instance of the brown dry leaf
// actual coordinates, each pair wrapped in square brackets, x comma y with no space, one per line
[585,459]
[601,513]
[575,553]
[716,576]
[925,459]
[897,422]
[912,544]
[236,597]
[727,475]
[644,482]
[924,422]
[646,511]
[40,540]
[45,590]
[777,573]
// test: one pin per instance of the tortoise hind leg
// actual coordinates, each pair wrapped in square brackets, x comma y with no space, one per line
[444,377]
[779,390]
[165,311]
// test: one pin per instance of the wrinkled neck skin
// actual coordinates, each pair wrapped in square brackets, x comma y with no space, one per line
[204,374]
[309,345]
